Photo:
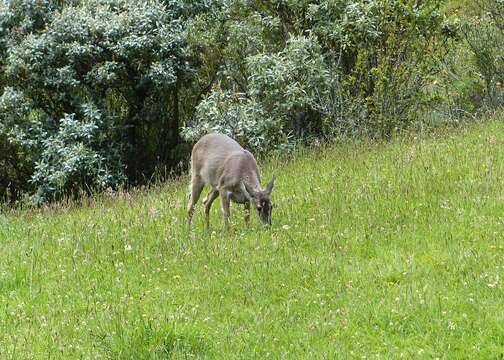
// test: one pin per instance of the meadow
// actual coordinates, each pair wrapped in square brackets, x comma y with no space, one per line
[377,250]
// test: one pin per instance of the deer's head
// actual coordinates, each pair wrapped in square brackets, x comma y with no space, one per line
[261,201]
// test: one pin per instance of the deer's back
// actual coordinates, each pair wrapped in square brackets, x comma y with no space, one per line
[218,158]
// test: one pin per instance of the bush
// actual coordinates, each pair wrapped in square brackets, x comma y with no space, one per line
[285,94]
[97,93]
[485,38]
[77,157]
[238,117]
[472,73]
[347,66]
[292,86]
[99,97]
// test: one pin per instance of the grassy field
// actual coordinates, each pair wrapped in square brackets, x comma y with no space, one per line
[376,251]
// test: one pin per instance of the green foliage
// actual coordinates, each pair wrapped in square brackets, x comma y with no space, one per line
[471,74]
[346,66]
[485,38]
[238,117]
[392,71]
[125,69]
[16,154]
[77,156]
[271,74]
[292,85]
[283,99]
[21,17]
[18,18]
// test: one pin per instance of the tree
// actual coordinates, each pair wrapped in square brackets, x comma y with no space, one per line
[294,70]
[108,71]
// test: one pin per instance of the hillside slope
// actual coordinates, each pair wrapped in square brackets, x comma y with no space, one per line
[375,249]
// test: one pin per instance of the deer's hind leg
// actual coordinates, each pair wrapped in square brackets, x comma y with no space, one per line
[225,206]
[212,195]
[247,212]
[197,185]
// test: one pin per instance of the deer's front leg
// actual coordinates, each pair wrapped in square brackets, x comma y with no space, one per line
[212,195]
[225,206]
[247,212]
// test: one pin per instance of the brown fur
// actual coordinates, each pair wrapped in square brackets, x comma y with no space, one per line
[231,172]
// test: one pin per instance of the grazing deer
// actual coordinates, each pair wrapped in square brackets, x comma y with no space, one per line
[231,171]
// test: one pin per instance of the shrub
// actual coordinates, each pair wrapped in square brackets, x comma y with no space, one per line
[77,157]
[292,86]
[485,38]
[285,91]
[238,117]
[100,97]
[96,93]
[348,66]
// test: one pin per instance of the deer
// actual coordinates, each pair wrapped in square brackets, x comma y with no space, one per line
[231,172]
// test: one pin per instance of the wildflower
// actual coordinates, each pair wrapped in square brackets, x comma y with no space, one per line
[286,227]
[127,247]
[153,212]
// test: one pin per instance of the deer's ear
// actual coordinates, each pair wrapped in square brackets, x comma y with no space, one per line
[270,185]
[247,192]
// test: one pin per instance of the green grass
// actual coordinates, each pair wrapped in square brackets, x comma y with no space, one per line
[378,250]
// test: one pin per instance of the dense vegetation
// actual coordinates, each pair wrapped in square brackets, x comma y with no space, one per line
[376,251]
[103,93]
[385,243]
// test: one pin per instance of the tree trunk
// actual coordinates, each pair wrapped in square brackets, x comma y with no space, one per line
[134,153]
